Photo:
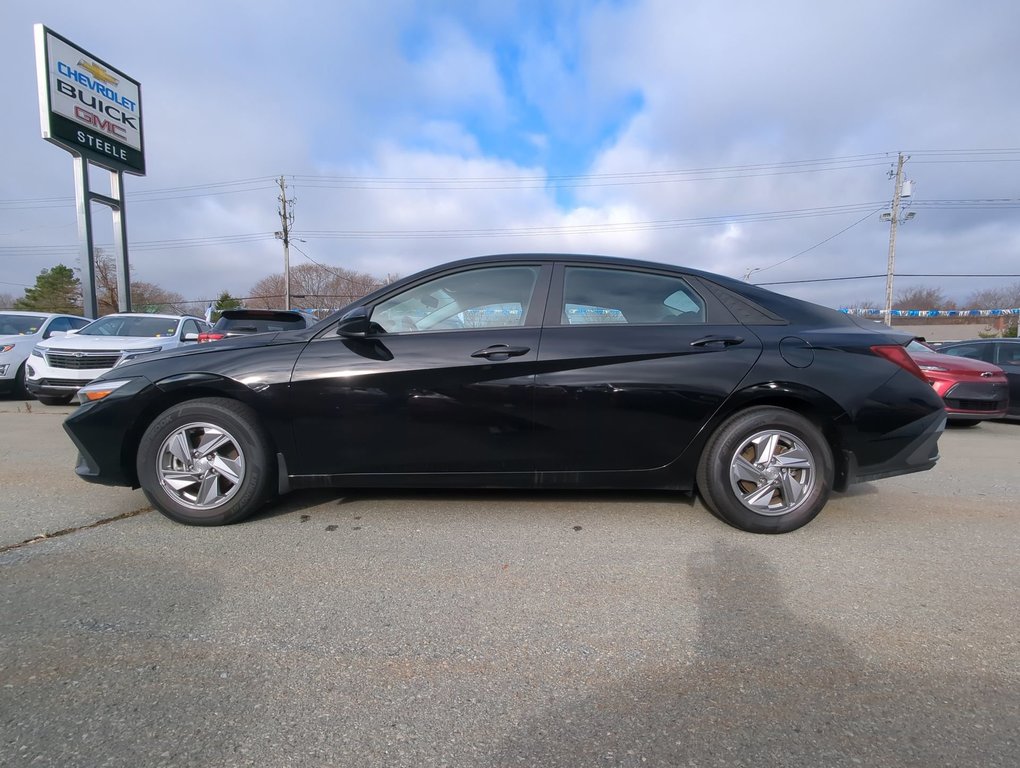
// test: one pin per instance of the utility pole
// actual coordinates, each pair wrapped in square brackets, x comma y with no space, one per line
[286,221]
[894,220]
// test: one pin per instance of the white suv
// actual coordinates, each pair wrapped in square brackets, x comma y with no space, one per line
[58,368]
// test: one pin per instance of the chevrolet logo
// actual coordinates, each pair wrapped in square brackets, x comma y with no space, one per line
[97,72]
[82,354]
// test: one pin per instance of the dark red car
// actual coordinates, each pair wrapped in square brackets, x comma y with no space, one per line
[972,390]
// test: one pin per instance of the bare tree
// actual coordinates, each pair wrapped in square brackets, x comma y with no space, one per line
[145,297]
[1006,297]
[321,289]
[6,300]
[923,298]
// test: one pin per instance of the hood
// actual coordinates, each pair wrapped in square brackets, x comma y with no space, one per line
[953,364]
[19,338]
[106,343]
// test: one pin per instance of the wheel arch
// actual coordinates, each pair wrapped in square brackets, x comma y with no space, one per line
[820,409]
[175,390]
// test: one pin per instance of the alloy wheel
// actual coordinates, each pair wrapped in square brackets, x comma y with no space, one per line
[772,472]
[200,466]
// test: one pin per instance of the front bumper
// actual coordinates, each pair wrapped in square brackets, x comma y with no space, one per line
[105,432]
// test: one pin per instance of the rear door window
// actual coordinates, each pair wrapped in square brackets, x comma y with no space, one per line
[593,296]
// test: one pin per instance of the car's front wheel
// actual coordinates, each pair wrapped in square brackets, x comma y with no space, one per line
[766,470]
[206,462]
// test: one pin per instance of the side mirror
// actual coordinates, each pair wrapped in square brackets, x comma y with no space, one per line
[354,323]
[189,337]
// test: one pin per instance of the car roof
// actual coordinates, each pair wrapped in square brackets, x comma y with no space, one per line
[961,342]
[149,314]
[38,314]
[262,313]
[777,303]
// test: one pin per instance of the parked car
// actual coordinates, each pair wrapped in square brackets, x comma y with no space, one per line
[1004,353]
[527,371]
[236,322]
[58,368]
[19,332]
[973,391]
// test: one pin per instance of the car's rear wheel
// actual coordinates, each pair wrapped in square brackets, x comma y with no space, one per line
[206,462]
[766,470]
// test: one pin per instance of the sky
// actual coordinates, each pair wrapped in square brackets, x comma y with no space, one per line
[750,139]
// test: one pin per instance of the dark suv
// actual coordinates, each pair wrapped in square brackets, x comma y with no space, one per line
[238,322]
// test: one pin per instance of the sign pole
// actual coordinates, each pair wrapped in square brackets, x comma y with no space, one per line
[120,242]
[88,262]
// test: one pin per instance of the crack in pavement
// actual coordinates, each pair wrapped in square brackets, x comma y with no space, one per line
[75,529]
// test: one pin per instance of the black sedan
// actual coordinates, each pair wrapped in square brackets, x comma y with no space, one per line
[525,371]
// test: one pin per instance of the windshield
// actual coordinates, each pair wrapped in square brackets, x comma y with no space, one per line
[11,325]
[141,327]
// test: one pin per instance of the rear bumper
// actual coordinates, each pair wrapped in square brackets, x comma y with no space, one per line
[919,452]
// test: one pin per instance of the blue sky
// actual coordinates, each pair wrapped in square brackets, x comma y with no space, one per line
[728,137]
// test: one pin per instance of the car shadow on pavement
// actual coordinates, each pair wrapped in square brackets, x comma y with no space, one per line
[766,687]
[302,503]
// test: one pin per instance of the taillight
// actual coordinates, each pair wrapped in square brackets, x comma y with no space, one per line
[210,336]
[894,353]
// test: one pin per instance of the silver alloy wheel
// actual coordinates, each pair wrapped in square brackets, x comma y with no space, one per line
[200,466]
[772,472]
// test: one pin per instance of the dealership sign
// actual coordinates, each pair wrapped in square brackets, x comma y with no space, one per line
[88,107]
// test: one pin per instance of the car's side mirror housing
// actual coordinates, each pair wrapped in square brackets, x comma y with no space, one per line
[355,323]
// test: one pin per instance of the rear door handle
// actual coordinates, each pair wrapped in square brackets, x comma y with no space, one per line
[722,341]
[501,352]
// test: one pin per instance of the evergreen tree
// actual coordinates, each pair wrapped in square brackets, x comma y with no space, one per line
[56,290]
[224,302]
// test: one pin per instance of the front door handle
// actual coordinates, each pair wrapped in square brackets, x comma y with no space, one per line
[723,341]
[501,352]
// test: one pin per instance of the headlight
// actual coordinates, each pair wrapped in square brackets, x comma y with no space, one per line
[933,368]
[133,354]
[99,390]
[39,351]
[6,348]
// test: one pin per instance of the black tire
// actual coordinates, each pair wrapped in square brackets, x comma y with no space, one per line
[747,484]
[54,399]
[224,484]
[19,390]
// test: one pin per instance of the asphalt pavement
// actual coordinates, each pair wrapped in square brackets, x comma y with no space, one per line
[509,629]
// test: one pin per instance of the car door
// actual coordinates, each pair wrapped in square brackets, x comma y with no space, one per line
[1007,357]
[633,363]
[441,382]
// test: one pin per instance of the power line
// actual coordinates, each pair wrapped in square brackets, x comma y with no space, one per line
[816,245]
[870,277]
[535,181]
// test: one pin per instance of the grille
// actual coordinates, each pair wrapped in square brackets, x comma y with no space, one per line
[62,383]
[87,361]
[983,406]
